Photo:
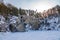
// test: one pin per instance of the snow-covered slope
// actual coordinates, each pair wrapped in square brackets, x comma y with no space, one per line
[32,35]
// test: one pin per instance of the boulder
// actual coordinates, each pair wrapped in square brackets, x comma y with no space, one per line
[35,25]
[12,28]
[3,27]
[20,28]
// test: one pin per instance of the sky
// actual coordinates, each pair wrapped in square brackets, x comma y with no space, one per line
[40,5]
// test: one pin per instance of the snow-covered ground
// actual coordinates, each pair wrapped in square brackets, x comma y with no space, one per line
[31,35]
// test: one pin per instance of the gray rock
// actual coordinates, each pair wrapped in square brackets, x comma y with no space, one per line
[20,28]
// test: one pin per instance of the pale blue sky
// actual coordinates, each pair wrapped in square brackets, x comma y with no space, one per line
[40,5]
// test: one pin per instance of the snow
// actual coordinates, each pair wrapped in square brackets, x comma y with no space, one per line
[53,20]
[13,19]
[2,22]
[2,19]
[31,35]
[28,27]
